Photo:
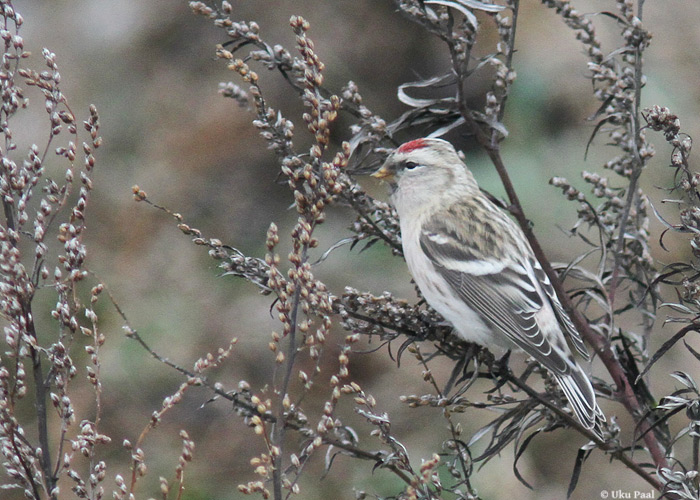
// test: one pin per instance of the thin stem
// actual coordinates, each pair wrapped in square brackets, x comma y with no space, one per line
[39,392]
[509,63]
[280,427]
[21,457]
[40,404]
[571,421]
[237,403]
[632,195]
[696,447]
[367,455]
[378,231]
[453,430]
[9,215]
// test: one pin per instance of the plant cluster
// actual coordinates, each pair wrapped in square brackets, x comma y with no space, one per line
[321,330]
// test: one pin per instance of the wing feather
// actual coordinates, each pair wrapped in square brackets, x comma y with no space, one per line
[507,296]
[508,300]
[568,327]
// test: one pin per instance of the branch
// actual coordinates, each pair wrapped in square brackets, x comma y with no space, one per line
[292,349]
[601,346]
[252,409]
[40,403]
[639,163]
[367,455]
[573,422]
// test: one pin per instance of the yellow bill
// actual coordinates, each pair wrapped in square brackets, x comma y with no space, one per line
[384,173]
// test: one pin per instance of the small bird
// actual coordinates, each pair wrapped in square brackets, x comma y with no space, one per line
[475,267]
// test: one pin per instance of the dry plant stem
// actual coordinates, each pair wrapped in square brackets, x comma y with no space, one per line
[26,468]
[200,380]
[367,455]
[133,334]
[37,371]
[361,212]
[696,448]
[600,345]
[39,385]
[354,450]
[453,429]
[40,403]
[572,422]
[515,8]
[636,173]
[358,452]
[280,427]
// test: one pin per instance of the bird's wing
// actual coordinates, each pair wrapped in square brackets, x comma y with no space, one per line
[568,327]
[503,292]
[508,295]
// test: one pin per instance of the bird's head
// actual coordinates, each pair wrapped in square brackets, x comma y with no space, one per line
[423,170]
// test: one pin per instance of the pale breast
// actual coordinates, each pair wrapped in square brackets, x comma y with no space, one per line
[438,293]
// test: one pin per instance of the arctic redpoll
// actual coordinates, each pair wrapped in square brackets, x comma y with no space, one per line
[475,267]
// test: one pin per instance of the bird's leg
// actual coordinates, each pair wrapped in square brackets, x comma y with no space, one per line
[499,370]
[459,374]
[502,364]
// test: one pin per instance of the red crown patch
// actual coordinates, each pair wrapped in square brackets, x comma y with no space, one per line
[412,145]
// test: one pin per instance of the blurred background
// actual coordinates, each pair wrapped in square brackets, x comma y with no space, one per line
[150,69]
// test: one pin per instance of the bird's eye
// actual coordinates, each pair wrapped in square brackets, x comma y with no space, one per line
[410,165]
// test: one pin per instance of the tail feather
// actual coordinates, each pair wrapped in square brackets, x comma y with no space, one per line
[579,392]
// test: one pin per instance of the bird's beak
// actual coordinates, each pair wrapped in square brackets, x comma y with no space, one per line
[384,174]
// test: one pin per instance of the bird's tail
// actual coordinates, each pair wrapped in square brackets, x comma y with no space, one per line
[579,392]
